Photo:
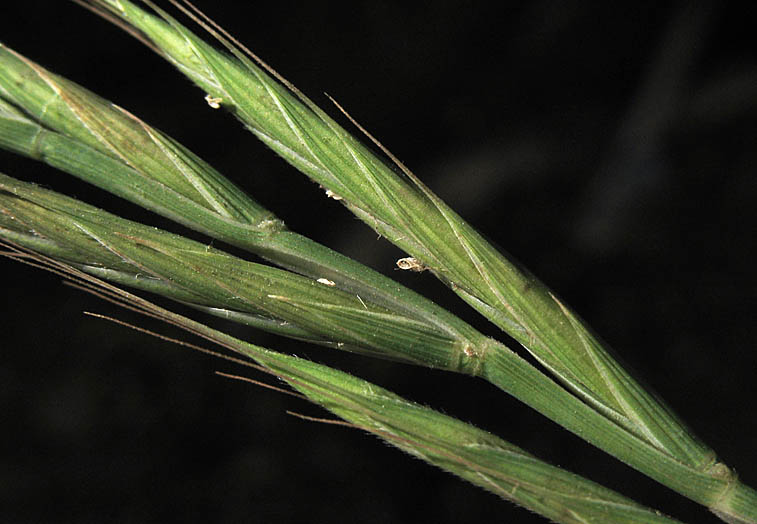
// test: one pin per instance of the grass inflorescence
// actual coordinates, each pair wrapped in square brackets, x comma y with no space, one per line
[323,297]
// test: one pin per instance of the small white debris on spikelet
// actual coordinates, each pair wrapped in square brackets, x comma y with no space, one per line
[213,101]
[411,264]
[331,194]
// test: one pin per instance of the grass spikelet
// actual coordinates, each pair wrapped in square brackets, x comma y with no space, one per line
[458,448]
[402,209]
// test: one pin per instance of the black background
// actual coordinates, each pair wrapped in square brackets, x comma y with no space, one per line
[609,148]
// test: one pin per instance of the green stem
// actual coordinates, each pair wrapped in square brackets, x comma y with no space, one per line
[738,505]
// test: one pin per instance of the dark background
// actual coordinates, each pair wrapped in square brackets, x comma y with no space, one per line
[609,148]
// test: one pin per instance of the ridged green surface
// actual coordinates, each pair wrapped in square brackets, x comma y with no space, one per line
[340,303]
